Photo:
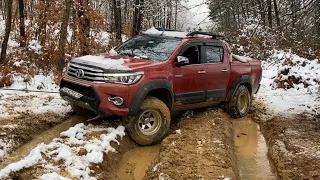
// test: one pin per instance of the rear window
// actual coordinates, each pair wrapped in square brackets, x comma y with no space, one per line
[149,47]
[214,54]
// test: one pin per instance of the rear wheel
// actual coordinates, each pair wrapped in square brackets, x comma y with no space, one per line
[151,124]
[240,103]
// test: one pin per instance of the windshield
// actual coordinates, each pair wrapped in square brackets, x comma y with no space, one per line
[149,47]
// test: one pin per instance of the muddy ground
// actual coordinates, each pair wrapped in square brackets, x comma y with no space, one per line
[293,142]
[200,145]
[201,148]
[294,146]
[19,130]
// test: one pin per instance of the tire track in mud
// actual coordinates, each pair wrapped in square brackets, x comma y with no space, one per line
[38,133]
[22,129]
[202,148]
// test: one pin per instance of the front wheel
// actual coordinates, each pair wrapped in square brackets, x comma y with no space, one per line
[240,103]
[151,124]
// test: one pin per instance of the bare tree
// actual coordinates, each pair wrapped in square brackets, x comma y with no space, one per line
[22,26]
[7,32]
[276,12]
[63,35]
[117,19]
[137,18]
[269,4]
[84,27]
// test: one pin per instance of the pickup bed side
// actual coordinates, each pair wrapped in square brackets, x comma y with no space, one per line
[248,74]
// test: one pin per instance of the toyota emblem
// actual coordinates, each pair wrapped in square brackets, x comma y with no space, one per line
[79,73]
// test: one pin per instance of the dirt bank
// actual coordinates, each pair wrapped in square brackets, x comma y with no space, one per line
[294,146]
[19,130]
[293,143]
[201,148]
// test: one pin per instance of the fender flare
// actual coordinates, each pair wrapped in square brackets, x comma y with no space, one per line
[145,89]
[242,80]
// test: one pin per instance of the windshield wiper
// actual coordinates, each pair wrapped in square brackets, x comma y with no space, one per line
[127,54]
[133,55]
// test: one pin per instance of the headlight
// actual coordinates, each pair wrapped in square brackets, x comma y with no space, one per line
[123,78]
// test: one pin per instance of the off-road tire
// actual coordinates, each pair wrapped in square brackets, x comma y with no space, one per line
[133,124]
[233,107]
[80,111]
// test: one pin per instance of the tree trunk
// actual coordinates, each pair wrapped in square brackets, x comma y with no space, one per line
[176,15]
[262,12]
[276,11]
[269,3]
[22,26]
[135,26]
[41,32]
[117,19]
[1,9]
[7,32]
[84,28]
[63,36]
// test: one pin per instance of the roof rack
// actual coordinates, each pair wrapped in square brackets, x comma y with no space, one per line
[214,36]
[164,29]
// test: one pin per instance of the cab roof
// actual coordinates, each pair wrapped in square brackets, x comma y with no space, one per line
[179,34]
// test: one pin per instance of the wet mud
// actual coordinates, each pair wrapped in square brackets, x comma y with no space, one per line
[252,151]
[202,147]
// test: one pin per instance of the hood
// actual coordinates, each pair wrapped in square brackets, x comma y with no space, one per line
[117,63]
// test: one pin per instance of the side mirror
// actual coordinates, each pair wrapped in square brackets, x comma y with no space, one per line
[181,60]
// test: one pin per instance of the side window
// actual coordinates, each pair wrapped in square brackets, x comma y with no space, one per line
[214,54]
[192,53]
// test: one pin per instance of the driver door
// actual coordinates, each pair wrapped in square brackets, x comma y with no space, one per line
[189,81]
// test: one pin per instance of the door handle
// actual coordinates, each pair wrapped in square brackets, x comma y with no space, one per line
[202,72]
[224,70]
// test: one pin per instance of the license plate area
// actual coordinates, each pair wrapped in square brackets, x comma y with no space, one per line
[71,93]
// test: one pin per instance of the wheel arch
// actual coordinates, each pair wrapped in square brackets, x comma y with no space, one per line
[161,89]
[243,80]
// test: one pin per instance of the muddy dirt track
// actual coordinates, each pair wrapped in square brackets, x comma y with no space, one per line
[202,144]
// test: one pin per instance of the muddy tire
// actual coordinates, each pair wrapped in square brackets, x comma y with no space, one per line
[240,103]
[151,124]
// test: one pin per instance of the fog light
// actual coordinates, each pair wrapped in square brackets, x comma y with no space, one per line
[118,101]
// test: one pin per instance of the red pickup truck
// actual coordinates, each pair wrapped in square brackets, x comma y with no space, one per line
[154,74]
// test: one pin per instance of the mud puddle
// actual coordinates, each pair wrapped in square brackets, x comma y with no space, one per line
[252,151]
[43,137]
[136,162]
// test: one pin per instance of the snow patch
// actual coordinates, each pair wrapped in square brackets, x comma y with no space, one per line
[298,99]
[102,61]
[241,58]
[13,103]
[53,176]
[154,31]
[66,151]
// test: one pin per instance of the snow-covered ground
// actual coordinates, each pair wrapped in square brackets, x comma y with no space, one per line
[74,152]
[13,103]
[302,97]
[20,103]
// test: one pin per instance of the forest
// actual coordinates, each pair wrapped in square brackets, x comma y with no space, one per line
[48,33]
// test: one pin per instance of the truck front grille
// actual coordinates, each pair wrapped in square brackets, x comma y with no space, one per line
[88,73]
[86,91]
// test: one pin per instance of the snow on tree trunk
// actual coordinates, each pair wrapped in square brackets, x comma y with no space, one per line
[7,32]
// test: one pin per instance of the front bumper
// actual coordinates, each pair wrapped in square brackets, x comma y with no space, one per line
[95,96]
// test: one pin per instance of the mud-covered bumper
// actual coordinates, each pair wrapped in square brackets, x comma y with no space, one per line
[95,96]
